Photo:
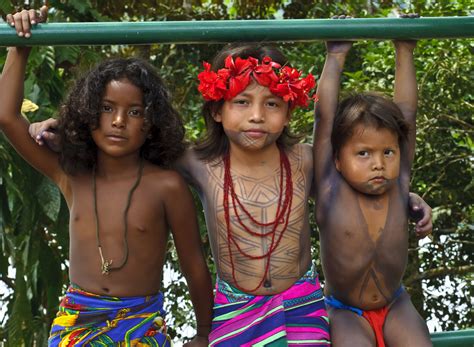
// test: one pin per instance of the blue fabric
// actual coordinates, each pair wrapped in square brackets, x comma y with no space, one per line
[333,302]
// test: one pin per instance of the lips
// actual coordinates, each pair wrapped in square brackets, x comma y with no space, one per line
[255,133]
[116,137]
[378,179]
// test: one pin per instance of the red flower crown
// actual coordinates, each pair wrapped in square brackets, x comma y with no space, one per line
[231,80]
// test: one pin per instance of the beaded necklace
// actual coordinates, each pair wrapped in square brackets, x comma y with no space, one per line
[281,217]
[106,265]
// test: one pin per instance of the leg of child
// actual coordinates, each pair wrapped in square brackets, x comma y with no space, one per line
[349,329]
[404,326]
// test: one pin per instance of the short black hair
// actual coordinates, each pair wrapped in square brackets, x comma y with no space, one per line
[369,109]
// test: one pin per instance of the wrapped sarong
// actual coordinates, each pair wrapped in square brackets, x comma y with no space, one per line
[295,317]
[86,319]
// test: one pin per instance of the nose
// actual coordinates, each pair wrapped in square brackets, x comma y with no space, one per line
[119,119]
[257,114]
[378,162]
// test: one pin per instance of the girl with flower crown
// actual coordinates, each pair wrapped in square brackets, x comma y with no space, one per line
[254,179]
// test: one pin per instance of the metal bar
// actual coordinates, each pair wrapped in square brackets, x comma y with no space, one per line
[105,33]
[461,338]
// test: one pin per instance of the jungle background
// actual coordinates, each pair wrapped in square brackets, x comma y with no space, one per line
[34,217]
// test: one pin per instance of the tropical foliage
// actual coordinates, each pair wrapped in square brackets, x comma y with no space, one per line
[34,217]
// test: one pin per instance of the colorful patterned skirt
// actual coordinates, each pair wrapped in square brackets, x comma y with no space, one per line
[295,317]
[86,319]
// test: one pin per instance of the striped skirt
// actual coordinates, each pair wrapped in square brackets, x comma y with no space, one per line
[295,317]
[86,319]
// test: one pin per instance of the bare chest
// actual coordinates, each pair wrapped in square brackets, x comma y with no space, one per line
[112,211]
[260,197]
[363,231]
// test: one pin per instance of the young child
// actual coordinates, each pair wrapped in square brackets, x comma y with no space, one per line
[254,180]
[118,133]
[364,150]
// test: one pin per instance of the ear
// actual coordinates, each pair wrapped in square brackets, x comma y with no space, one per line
[288,117]
[337,163]
[217,116]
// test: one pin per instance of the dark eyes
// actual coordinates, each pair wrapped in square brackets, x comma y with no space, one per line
[270,104]
[387,153]
[106,108]
[240,101]
[134,112]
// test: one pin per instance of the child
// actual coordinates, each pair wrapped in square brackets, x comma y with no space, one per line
[247,170]
[364,150]
[118,133]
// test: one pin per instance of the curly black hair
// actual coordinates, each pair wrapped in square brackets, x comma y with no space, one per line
[80,113]
[215,142]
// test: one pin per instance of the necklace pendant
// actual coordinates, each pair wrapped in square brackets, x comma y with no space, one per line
[106,266]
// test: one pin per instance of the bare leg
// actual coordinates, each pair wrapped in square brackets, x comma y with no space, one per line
[404,325]
[349,330]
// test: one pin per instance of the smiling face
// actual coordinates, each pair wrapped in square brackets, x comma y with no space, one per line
[254,119]
[370,159]
[122,128]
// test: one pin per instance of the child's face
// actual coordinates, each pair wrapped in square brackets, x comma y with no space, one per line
[255,118]
[370,160]
[122,129]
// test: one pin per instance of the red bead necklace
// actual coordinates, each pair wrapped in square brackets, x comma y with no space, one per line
[282,215]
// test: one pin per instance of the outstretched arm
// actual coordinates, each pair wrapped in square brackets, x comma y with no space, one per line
[182,219]
[405,90]
[328,95]
[12,123]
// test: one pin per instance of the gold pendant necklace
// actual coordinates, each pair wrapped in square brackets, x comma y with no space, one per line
[106,265]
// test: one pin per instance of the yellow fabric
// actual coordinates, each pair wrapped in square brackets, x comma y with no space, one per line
[66,320]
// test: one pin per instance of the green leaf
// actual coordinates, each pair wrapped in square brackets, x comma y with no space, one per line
[50,197]
[6,6]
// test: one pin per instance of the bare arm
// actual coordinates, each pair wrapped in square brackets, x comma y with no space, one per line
[12,123]
[325,112]
[420,213]
[181,217]
[406,97]
[405,90]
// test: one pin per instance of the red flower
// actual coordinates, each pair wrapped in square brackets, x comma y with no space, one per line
[292,88]
[239,72]
[212,85]
[228,82]
[265,74]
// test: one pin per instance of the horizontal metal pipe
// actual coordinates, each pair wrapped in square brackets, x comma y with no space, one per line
[453,338]
[105,33]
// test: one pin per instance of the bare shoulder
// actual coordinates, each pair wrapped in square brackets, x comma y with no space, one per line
[301,153]
[164,179]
